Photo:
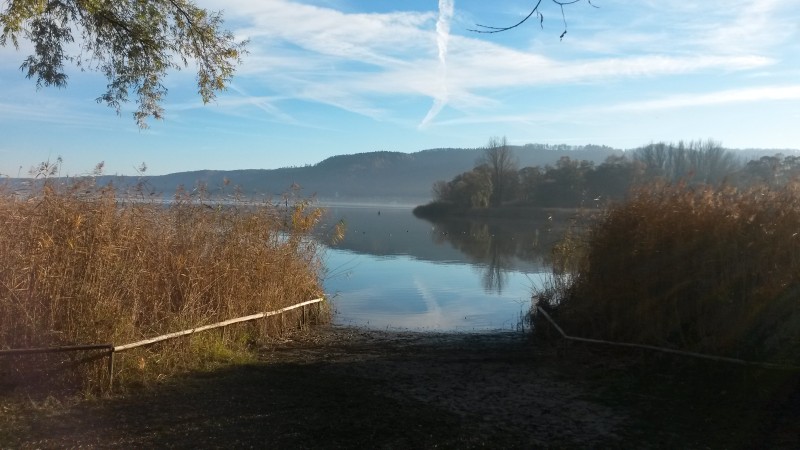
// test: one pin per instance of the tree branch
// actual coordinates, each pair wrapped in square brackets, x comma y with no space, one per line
[486,29]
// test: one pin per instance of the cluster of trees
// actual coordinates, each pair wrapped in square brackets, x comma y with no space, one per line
[496,180]
[490,183]
[776,170]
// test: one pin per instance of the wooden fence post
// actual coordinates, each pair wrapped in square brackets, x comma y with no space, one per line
[111,369]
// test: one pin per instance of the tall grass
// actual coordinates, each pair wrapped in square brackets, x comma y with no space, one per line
[692,267]
[79,264]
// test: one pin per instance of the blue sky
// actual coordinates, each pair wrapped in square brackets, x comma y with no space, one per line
[326,77]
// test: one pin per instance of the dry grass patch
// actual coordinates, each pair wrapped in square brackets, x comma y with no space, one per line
[699,268]
[81,264]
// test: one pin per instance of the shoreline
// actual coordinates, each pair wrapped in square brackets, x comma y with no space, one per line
[334,387]
[438,211]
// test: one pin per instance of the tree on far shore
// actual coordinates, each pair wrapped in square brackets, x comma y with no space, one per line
[502,165]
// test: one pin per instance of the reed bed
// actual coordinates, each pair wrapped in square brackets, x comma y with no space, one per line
[708,269]
[82,264]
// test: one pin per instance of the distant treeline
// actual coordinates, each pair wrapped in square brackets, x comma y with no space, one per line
[573,183]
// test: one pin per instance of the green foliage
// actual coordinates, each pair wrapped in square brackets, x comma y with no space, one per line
[134,43]
[612,179]
[564,184]
[571,183]
[471,189]
[701,268]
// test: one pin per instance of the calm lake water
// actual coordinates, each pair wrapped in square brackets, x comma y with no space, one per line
[394,271]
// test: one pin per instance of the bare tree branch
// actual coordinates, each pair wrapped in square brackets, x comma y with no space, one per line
[486,29]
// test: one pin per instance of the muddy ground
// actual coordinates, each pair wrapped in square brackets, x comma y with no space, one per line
[350,388]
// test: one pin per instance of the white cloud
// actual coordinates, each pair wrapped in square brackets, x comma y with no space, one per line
[755,25]
[713,27]
[366,63]
[446,8]
[760,94]
[267,104]
[745,95]
[43,109]
[357,61]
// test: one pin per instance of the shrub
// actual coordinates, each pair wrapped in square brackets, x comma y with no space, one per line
[693,267]
[82,264]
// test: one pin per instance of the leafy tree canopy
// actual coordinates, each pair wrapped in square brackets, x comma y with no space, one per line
[132,42]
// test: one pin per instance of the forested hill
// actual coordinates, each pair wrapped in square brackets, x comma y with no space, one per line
[366,177]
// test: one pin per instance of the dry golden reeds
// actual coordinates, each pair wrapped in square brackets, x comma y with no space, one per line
[693,267]
[83,264]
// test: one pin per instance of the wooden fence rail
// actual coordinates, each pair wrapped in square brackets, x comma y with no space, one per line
[664,349]
[122,348]
[111,349]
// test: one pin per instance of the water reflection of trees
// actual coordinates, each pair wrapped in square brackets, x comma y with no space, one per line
[495,246]
[499,246]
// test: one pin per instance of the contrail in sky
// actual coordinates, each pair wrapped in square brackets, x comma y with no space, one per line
[446,8]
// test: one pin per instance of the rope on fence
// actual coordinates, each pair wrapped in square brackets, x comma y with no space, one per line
[121,348]
[664,349]
[110,349]
[68,348]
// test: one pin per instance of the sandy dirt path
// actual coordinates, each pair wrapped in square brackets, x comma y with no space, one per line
[350,388]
